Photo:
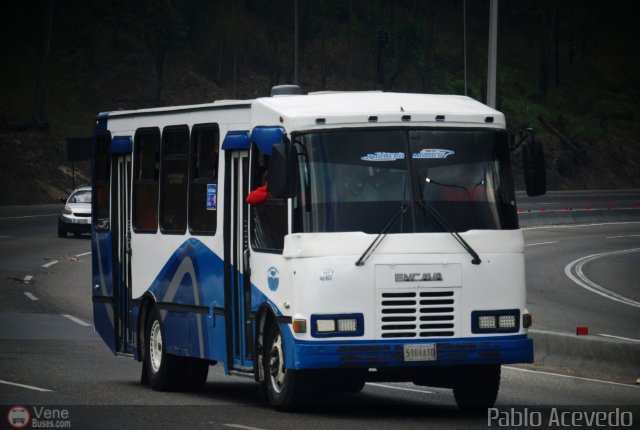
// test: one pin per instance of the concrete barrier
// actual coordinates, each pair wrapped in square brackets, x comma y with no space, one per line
[582,216]
[589,356]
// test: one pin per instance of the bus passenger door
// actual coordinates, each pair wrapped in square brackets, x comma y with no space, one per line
[238,285]
[121,245]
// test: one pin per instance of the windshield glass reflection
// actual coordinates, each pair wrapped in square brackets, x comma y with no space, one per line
[355,180]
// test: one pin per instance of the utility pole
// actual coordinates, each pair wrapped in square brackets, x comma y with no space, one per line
[295,42]
[464,41]
[493,53]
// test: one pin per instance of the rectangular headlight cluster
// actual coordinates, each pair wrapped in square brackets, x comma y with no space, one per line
[499,321]
[337,325]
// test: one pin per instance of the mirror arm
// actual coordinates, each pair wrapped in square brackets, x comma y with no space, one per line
[523,134]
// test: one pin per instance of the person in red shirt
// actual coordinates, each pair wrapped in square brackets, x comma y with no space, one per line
[258,196]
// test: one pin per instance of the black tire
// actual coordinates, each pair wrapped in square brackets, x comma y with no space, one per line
[196,371]
[340,381]
[350,385]
[476,387]
[285,388]
[62,232]
[164,371]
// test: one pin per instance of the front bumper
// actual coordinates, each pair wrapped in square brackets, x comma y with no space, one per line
[76,224]
[450,352]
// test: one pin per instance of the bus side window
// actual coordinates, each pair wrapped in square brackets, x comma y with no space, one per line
[203,178]
[173,179]
[145,180]
[269,219]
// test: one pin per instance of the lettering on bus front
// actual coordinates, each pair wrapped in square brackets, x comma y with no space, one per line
[417,277]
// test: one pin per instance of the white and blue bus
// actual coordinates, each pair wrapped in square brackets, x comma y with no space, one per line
[387,249]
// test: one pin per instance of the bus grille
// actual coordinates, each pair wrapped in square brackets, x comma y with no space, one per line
[415,314]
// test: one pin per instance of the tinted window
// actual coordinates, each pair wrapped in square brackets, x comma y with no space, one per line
[145,180]
[173,181]
[268,218]
[357,180]
[203,189]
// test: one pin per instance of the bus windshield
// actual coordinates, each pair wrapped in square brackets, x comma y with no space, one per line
[355,180]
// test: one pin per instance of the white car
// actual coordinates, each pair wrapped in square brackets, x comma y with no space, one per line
[76,215]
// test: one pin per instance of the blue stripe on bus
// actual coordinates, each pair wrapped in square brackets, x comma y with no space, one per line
[193,275]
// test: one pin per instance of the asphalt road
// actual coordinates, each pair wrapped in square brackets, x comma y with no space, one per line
[608,256]
[47,344]
[580,200]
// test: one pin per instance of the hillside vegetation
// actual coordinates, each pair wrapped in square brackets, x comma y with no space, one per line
[569,69]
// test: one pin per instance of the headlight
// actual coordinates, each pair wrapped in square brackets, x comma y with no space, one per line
[337,325]
[67,210]
[498,321]
[506,321]
[486,321]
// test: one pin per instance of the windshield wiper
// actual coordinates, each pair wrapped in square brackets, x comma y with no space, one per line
[439,219]
[383,233]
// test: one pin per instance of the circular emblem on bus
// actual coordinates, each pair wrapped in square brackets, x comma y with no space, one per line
[273,278]
[18,417]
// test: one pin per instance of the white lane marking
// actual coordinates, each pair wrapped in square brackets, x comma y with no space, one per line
[569,376]
[240,426]
[51,263]
[83,254]
[26,216]
[568,194]
[29,387]
[627,235]
[5,237]
[31,296]
[540,227]
[581,279]
[28,279]
[76,320]
[542,243]
[399,388]
[619,337]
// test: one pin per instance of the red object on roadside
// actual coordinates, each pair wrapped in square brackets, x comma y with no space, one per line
[582,331]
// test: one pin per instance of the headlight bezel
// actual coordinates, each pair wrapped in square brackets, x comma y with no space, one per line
[321,325]
[500,317]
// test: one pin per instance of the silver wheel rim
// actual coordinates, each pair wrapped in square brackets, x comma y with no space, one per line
[155,346]
[277,372]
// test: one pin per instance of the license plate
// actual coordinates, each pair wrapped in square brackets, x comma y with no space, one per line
[85,221]
[425,352]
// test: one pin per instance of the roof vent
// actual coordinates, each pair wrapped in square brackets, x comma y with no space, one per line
[286,90]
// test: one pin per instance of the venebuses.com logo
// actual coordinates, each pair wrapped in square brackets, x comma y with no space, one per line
[20,417]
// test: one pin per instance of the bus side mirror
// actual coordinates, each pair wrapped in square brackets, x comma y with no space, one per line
[277,183]
[535,174]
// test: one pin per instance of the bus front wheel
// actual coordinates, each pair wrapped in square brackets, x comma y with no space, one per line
[285,388]
[476,387]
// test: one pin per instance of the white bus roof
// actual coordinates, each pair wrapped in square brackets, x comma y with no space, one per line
[345,109]
[219,104]
[349,108]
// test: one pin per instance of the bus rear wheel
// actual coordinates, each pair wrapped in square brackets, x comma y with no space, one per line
[163,370]
[285,388]
[476,387]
